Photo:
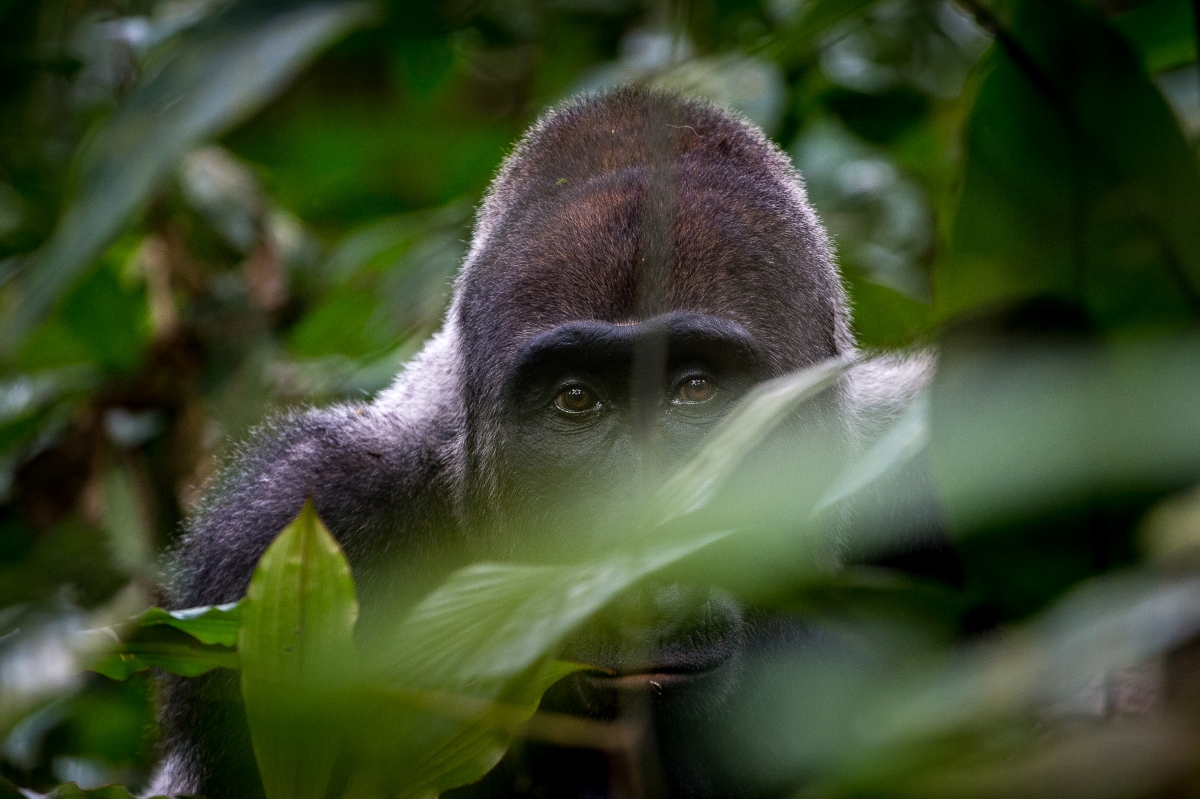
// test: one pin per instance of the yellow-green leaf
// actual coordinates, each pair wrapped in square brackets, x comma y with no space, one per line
[296,644]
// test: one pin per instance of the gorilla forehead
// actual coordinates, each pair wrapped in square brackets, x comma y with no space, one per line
[580,253]
[568,231]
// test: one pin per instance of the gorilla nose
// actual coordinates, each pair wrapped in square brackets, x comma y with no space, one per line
[661,629]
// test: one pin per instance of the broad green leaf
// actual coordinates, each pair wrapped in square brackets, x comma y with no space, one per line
[72,791]
[296,645]
[461,737]
[470,662]
[887,726]
[480,744]
[168,650]
[492,621]
[217,74]
[1016,434]
[1078,182]
[894,449]
[1163,32]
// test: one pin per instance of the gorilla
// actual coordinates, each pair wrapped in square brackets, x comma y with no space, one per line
[640,262]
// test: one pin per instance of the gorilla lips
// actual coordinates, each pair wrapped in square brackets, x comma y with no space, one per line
[656,639]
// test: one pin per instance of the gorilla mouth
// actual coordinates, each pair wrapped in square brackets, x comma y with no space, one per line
[652,677]
[686,636]
[667,668]
[690,682]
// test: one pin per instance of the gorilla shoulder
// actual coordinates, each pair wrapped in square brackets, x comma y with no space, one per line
[380,475]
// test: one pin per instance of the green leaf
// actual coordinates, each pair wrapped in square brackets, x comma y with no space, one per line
[217,74]
[468,665]
[479,743]
[1017,434]
[184,642]
[1078,182]
[210,624]
[903,441]
[1163,32]
[166,649]
[296,644]
[695,485]
[72,791]
[492,621]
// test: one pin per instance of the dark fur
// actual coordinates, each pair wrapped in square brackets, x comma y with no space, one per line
[573,229]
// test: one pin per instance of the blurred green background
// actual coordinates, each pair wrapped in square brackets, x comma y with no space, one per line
[210,209]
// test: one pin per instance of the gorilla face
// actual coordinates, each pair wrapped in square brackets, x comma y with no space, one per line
[596,414]
[593,411]
[632,276]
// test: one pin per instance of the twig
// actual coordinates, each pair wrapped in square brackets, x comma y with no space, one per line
[559,729]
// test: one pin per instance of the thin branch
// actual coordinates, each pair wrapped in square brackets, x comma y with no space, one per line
[988,20]
[559,729]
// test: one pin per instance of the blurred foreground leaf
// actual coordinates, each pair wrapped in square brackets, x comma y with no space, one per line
[997,717]
[760,412]
[1015,435]
[214,76]
[452,739]
[296,645]
[493,621]
[468,665]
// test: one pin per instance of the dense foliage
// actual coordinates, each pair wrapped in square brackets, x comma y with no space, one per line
[213,208]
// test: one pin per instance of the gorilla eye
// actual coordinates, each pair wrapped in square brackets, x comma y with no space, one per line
[576,399]
[694,390]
